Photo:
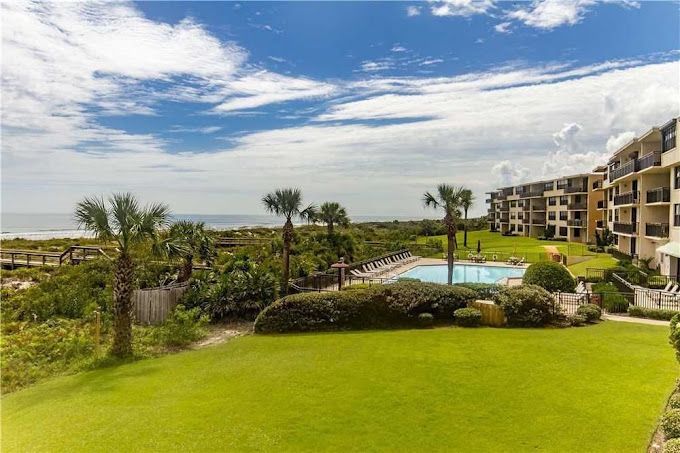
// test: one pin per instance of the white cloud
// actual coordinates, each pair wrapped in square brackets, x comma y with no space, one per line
[412,11]
[503,27]
[463,8]
[509,174]
[431,61]
[398,48]
[617,141]
[375,66]
[202,130]
[548,14]
[571,155]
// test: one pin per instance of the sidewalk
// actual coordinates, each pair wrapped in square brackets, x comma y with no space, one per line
[651,322]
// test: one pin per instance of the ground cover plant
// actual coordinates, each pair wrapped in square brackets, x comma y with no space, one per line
[334,391]
[550,275]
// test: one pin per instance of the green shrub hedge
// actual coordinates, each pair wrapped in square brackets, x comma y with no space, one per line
[672,446]
[485,291]
[527,305]
[396,304]
[674,402]
[468,317]
[576,320]
[651,313]
[591,312]
[551,276]
[425,320]
[670,423]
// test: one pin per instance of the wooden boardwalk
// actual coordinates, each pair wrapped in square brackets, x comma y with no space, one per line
[75,254]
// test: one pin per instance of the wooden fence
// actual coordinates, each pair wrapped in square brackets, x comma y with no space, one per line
[492,314]
[153,305]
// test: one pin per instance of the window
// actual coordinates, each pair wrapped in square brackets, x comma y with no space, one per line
[610,216]
[577,232]
[668,137]
[676,215]
[512,227]
[552,201]
[563,231]
[563,215]
[676,175]
[519,227]
[513,204]
[562,184]
[564,200]
[549,186]
[512,216]
[551,215]
[611,194]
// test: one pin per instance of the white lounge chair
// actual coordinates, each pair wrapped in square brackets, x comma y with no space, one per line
[356,273]
[668,286]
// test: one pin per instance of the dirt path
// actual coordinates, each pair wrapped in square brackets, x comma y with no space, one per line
[551,249]
[221,333]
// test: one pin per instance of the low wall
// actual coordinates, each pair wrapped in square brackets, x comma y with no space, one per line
[492,314]
[153,305]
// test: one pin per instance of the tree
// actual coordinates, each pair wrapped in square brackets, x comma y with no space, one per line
[287,203]
[122,221]
[466,201]
[449,199]
[331,213]
[188,240]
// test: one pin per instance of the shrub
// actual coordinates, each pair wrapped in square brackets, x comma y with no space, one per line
[527,305]
[396,304]
[670,423]
[356,287]
[674,337]
[576,320]
[612,300]
[425,319]
[674,401]
[651,313]
[591,312]
[550,276]
[485,291]
[182,327]
[672,446]
[468,317]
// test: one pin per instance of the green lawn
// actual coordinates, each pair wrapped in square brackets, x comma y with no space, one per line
[601,261]
[598,388]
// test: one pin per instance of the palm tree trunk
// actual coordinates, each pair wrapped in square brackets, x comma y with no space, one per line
[465,230]
[330,228]
[451,246]
[122,307]
[287,239]
[186,270]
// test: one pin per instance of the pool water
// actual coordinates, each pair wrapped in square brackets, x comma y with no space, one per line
[462,273]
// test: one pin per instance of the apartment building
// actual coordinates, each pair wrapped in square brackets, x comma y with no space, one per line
[642,193]
[567,204]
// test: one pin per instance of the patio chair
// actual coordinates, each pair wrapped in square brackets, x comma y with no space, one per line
[520,262]
[668,286]
[356,273]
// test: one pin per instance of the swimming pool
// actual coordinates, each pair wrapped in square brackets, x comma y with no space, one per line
[463,273]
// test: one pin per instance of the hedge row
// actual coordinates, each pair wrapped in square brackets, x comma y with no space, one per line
[394,305]
[651,313]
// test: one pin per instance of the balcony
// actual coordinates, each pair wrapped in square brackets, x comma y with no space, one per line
[575,189]
[602,204]
[532,193]
[625,228]
[657,230]
[501,197]
[505,219]
[659,195]
[526,220]
[576,223]
[623,170]
[504,208]
[577,207]
[627,198]
[488,200]
[647,161]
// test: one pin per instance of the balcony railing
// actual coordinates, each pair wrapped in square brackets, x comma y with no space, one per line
[648,160]
[576,222]
[625,228]
[501,198]
[602,204]
[659,195]
[526,220]
[577,206]
[505,219]
[627,198]
[525,207]
[532,193]
[575,189]
[623,170]
[658,230]
[504,208]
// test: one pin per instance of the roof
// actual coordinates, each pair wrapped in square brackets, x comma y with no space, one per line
[671,248]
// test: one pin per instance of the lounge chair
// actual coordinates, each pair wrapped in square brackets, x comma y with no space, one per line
[520,262]
[668,286]
[356,273]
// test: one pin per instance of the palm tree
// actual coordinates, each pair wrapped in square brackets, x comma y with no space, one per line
[287,203]
[331,213]
[126,223]
[466,201]
[187,240]
[449,199]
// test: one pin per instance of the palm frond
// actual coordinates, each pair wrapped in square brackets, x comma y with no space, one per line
[430,201]
[92,214]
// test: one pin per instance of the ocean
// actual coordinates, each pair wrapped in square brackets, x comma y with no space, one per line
[46,226]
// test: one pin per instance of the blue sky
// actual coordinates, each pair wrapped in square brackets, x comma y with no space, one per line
[208,105]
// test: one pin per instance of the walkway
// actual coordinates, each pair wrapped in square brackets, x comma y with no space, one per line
[650,322]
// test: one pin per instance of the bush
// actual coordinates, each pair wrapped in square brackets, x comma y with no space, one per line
[425,319]
[356,287]
[672,446]
[396,304]
[468,317]
[591,312]
[182,327]
[550,276]
[670,423]
[576,320]
[612,300]
[674,401]
[485,291]
[674,337]
[651,313]
[527,305]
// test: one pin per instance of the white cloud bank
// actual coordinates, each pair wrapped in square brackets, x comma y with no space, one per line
[480,129]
